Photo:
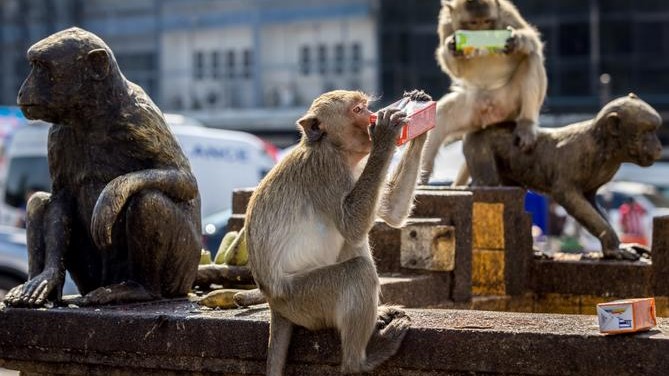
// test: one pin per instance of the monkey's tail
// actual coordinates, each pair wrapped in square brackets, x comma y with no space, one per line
[176,184]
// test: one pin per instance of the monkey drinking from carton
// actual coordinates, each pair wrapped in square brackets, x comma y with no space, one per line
[307,229]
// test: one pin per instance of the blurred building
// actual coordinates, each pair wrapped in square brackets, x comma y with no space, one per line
[627,41]
[256,64]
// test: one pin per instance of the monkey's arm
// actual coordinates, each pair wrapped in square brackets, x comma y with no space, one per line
[402,181]
[178,185]
[358,210]
[397,201]
[43,279]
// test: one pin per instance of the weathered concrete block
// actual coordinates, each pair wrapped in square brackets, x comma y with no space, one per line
[660,255]
[416,291]
[177,338]
[592,277]
[240,200]
[454,208]
[428,247]
[488,226]
[488,272]
[557,303]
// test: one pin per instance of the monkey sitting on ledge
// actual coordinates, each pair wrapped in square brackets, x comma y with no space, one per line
[123,216]
[307,228]
[571,163]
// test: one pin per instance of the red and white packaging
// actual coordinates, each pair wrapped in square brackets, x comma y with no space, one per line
[626,316]
[422,117]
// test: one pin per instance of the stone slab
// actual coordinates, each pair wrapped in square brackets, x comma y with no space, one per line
[175,337]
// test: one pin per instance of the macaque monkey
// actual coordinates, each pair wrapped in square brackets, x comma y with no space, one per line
[571,163]
[123,215]
[487,89]
[307,229]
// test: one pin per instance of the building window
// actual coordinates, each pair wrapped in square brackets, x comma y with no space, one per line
[216,64]
[305,60]
[356,58]
[248,63]
[230,64]
[198,65]
[339,59]
[322,59]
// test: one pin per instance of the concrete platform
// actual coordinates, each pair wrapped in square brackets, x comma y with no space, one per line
[175,338]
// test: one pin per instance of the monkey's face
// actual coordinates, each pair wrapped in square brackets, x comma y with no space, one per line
[49,87]
[358,131]
[475,14]
[644,147]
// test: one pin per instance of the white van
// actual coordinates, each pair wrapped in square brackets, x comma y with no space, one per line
[221,161]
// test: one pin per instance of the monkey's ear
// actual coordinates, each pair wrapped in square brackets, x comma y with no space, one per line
[613,124]
[311,127]
[99,63]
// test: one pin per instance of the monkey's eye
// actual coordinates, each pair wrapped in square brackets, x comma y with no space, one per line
[357,109]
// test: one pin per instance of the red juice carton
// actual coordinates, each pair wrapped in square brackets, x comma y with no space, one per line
[626,316]
[422,117]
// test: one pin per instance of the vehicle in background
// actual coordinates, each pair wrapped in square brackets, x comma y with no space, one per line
[221,161]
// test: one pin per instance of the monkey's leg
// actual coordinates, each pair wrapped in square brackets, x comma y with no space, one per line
[579,207]
[47,228]
[280,331]
[481,160]
[530,80]
[462,177]
[454,117]
[163,244]
[347,295]
[163,252]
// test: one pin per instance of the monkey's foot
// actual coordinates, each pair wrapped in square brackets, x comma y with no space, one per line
[37,291]
[386,314]
[125,292]
[628,251]
[393,324]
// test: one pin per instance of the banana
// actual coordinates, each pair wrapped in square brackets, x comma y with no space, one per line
[225,244]
[237,253]
[205,257]
[220,299]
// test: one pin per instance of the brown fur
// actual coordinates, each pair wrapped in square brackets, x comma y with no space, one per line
[571,163]
[124,213]
[487,89]
[308,222]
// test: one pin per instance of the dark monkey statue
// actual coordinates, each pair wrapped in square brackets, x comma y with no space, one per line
[571,163]
[124,213]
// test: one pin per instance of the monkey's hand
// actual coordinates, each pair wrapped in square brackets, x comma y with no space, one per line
[417,95]
[627,251]
[520,42]
[37,290]
[525,138]
[451,47]
[386,129]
